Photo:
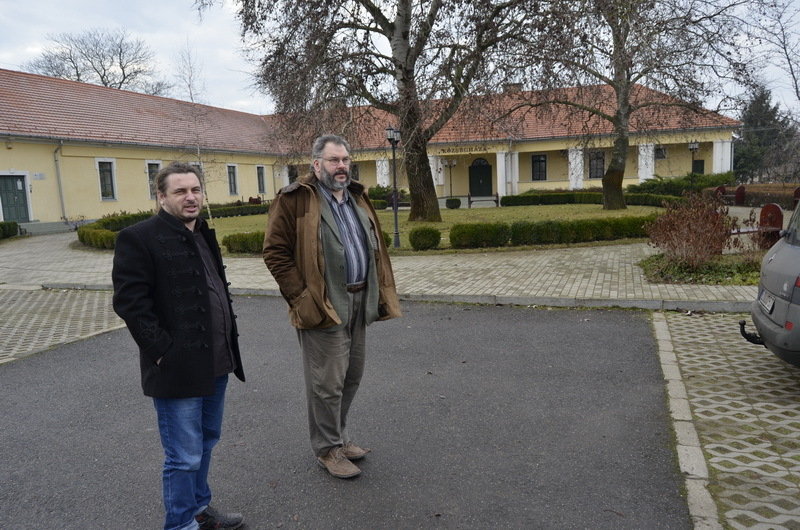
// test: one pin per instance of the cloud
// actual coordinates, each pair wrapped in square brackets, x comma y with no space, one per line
[165,26]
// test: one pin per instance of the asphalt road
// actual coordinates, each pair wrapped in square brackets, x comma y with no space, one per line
[478,417]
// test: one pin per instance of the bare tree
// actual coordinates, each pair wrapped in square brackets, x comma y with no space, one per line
[684,50]
[102,57]
[781,25]
[409,61]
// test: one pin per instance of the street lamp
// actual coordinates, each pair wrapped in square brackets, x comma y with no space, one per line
[393,136]
[694,146]
[450,163]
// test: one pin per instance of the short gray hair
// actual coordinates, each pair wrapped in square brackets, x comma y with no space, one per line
[319,144]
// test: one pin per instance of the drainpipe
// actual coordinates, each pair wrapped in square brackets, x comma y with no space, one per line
[58,179]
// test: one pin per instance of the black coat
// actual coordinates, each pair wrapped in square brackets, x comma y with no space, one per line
[160,291]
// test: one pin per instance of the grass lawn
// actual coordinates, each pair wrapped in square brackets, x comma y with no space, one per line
[509,214]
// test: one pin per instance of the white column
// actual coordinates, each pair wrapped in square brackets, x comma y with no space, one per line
[513,176]
[575,168]
[502,173]
[382,172]
[721,158]
[437,170]
[647,162]
[283,175]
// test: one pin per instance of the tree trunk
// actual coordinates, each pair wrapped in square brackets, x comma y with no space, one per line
[612,179]
[424,203]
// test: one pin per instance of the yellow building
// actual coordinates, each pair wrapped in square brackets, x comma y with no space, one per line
[72,151]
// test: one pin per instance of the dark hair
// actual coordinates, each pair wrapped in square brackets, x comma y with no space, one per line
[176,167]
[320,143]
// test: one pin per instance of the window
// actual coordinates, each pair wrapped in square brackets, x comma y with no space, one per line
[354,171]
[597,164]
[699,167]
[262,188]
[660,152]
[233,189]
[539,167]
[105,170]
[152,170]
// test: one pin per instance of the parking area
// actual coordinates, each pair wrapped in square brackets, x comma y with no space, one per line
[745,405]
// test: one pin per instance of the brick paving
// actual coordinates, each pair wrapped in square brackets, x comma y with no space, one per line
[734,404]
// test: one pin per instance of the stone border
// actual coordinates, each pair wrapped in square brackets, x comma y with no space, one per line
[691,460]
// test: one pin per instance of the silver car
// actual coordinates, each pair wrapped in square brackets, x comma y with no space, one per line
[776,311]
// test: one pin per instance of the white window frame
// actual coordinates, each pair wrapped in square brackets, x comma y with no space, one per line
[113,161]
[235,191]
[261,185]
[153,194]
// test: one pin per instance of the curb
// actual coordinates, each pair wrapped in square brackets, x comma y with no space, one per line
[723,306]
[692,463]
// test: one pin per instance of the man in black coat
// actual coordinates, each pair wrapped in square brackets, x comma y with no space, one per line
[171,291]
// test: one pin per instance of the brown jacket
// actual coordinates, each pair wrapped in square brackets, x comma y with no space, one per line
[293,252]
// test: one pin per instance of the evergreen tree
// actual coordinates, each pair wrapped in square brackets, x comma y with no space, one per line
[768,135]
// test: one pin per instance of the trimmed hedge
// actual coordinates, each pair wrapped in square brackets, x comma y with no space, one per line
[478,235]
[424,237]
[103,232]
[453,203]
[233,210]
[543,232]
[677,186]
[379,204]
[582,197]
[245,243]
[8,229]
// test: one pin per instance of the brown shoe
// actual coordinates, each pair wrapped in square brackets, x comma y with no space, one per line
[337,464]
[354,452]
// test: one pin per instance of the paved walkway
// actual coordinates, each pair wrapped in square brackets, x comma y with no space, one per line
[734,405]
[584,276]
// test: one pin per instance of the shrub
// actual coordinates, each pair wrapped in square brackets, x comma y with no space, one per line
[379,192]
[694,232]
[103,232]
[545,232]
[8,229]
[424,237]
[379,204]
[384,193]
[453,203]
[477,235]
[677,186]
[235,210]
[582,197]
[387,239]
[244,243]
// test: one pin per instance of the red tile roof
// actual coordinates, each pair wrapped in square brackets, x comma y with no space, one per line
[44,107]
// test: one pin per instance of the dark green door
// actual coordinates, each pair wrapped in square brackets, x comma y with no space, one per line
[15,202]
[480,178]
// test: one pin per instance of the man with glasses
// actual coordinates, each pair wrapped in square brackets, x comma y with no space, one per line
[325,248]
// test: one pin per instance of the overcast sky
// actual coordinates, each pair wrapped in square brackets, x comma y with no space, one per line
[165,25]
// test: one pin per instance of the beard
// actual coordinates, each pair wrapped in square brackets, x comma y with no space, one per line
[330,182]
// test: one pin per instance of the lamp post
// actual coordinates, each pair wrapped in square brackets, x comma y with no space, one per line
[450,163]
[694,146]
[393,136]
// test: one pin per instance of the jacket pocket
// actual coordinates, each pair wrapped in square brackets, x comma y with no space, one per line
[306,314]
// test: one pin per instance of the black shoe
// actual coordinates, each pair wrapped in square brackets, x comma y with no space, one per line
[211,519]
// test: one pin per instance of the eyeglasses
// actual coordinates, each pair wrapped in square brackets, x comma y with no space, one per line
[337,161]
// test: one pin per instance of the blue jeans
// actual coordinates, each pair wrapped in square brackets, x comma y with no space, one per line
[189,428]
